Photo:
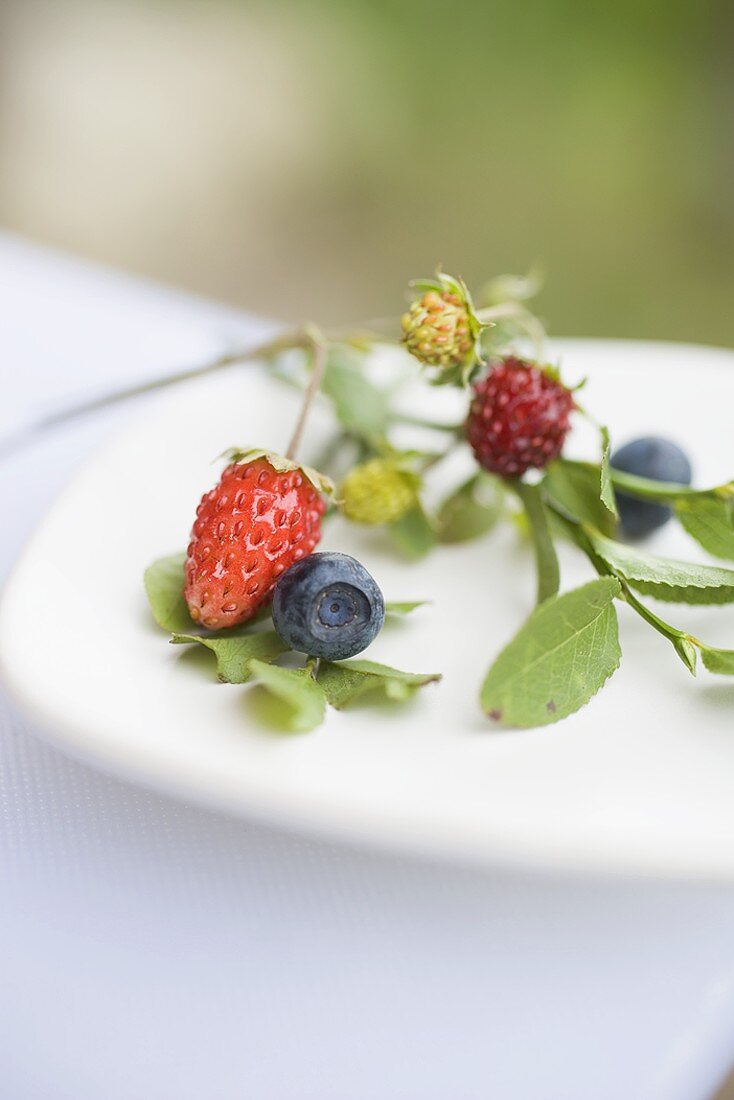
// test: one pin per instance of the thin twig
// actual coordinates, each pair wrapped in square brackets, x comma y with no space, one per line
[63,416]
[318,365]
[303,338]
[434,425]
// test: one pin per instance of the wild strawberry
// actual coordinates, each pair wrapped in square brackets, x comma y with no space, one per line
[378,491]
[441,328]
[262,516]
[519,417]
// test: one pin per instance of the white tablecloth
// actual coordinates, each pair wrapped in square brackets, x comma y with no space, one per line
[153,951]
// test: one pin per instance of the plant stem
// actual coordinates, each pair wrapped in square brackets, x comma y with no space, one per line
[434,459]
[546,559]
[683,644]
[527,321]
[434,425]
[318,366]
[666,492]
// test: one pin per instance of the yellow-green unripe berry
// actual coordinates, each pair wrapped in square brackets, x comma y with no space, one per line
[438,330]
[377,492]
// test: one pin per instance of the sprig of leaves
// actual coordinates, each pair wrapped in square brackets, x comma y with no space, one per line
[673,581]
[290,699]
[569,645]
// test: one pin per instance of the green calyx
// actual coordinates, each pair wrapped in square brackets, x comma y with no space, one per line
[282,465]
[380,491]
[441,328]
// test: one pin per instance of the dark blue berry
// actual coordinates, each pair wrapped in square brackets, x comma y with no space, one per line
[656,459]
[328,605]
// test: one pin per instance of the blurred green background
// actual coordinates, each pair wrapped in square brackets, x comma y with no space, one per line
[306,159]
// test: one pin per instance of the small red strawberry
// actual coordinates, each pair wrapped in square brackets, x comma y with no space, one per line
[519,417]
[263,515]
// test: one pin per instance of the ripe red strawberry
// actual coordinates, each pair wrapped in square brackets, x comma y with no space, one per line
[263,515]
[519,417]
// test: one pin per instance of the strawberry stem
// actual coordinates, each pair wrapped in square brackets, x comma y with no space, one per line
[318,366]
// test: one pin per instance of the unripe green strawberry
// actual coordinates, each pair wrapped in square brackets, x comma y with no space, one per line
[441,328]
[378,491]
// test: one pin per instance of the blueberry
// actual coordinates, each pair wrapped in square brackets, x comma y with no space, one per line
[328,605]
[656,459]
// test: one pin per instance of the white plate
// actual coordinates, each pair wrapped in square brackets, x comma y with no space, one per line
[640,781]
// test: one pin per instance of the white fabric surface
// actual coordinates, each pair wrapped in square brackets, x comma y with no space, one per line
[153,950]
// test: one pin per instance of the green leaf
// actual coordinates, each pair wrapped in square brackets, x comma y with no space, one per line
[347,681]
[235,649]
[164,585]
[606,492]
[560,658]
[665,492]
[361,408]
[457,375]
[414,534]
[471,510]
[287,698]
[665,578]
[546,560]
[710,523]
[574,487]
[403,607]
[720,661]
